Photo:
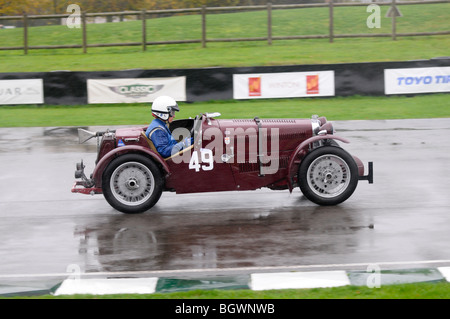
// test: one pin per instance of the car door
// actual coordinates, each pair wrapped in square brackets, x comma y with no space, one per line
[201,168]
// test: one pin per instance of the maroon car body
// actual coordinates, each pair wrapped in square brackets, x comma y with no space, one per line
[226,155]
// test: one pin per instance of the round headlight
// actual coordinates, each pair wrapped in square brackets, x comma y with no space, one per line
[327,127]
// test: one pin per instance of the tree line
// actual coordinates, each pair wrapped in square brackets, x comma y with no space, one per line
[19,7]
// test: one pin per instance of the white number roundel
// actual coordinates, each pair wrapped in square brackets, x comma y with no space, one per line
[205,162]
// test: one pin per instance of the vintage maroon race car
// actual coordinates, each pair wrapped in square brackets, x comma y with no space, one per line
[226,155]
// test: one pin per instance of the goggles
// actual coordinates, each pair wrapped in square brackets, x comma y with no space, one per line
[172,111]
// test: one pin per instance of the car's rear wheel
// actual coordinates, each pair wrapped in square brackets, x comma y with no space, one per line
[328,175]
[132,183]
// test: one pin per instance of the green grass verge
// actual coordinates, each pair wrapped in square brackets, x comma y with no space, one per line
[228,55]
[348,20]
[437,290]
[340,108]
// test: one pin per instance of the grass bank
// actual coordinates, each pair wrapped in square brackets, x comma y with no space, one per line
[229,55]
[340,108]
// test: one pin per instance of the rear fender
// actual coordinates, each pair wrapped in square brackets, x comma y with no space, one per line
[300,152]
[361,170]
[103,163]
[360,165]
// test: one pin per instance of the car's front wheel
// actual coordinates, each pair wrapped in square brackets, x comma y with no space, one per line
[132,183]
[328,175]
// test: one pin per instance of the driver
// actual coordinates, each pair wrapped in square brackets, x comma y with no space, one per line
[163,110]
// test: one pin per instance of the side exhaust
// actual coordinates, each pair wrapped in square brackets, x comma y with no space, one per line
[85,135]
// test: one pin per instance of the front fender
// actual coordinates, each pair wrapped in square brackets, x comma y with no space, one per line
[105,160]
[301,150]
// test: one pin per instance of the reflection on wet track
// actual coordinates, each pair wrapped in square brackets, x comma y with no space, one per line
[223,239]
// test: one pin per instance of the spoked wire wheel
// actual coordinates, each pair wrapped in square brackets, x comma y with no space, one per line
[132,183]
[328,175]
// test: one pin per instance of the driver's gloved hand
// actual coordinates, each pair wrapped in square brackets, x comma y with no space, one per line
[188,141]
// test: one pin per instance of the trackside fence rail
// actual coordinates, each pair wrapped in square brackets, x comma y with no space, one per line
[204,11]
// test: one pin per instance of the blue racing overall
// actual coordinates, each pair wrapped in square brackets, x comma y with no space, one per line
[158,132]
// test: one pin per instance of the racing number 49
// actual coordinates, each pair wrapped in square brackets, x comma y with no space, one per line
[205,162]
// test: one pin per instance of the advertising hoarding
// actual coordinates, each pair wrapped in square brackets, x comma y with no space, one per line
[283,85]
[26,91]
[139,90]
[417,80]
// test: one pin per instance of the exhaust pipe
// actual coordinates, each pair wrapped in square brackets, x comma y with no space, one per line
[85,135]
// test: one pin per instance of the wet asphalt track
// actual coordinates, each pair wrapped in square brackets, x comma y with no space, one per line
[403,217]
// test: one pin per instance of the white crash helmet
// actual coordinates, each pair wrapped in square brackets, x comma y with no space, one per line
[164,106]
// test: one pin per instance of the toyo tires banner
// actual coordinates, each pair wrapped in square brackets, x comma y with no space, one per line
[417,80]
[283,85]
[135,90]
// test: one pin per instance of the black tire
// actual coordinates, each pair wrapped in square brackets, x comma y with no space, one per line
[132,183]
[328,175]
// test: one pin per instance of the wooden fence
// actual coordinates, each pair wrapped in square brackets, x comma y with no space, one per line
[143,16]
